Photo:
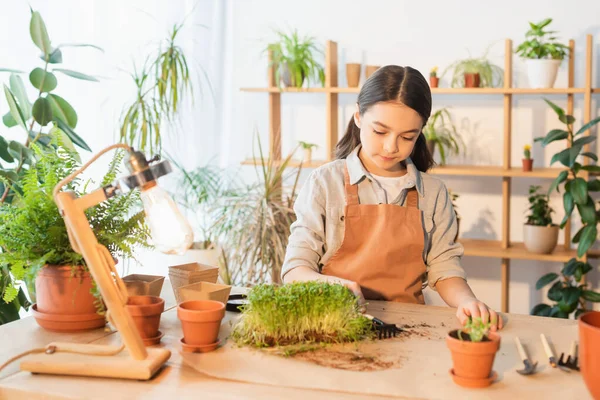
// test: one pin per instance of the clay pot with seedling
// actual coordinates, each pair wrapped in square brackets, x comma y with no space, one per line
[527,160]
[473,350]
[434,80]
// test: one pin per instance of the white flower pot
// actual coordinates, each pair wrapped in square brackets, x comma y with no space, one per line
[540,239]
[542,73]
[307,155]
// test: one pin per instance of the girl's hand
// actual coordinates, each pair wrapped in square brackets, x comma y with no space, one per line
[354,288]
[474,308]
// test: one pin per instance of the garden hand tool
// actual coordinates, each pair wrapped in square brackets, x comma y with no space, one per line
[571,359]
[551,356]
[529,367]
[235,301]
[384,330]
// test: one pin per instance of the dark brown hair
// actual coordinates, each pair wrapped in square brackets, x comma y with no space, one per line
[393,83]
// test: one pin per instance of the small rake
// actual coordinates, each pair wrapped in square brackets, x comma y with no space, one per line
[384,330]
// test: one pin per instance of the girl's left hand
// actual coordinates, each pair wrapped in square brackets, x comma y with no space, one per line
[476,309]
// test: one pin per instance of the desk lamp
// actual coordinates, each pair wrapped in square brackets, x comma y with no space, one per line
[170,233]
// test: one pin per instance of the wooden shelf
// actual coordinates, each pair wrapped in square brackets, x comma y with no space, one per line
[493,248]
[457,91]
[476,170]
[293,163]
[597,90]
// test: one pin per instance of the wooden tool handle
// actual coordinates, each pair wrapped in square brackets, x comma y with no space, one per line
[547,348]
[573,352]
[521,349]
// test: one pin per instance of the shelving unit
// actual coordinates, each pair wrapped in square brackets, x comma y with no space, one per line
[504,249]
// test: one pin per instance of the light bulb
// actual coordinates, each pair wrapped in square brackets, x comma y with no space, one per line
[171,232]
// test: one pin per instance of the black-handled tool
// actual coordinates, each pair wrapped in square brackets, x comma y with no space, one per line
[235,301]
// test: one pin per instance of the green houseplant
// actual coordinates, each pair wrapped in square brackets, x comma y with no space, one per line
[540,234]
[300,313]
[543,54]
[441,133]
[294,60]
[568,292]
[49,113]
[475,72]
[307,147]
[34,237]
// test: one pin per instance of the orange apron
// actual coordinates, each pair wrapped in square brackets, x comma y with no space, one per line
[382,249]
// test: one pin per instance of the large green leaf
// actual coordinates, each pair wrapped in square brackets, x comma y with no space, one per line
[570,267]
[591,155]
[584,140]
[543,310]
[55,57]
[546,279]
[591,168]
[571,296]
[42,80]
[592,296]
[20,152]
[579,190]
[588,237]
[594,186]
[587,126]
[66,141]
[562,156]
[15,110]
[568,203]
[567,119]
[587,211]
[18,89]
[8,120]
[78,141]
[4,154]
[559,111]
[555,291]
[75,74]
[38,32]
[63,110]
[553,135]
[42,111]
[560,179]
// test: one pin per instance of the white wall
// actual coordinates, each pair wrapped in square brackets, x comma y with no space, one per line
[423,35]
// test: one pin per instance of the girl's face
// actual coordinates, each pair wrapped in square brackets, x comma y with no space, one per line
[388,133]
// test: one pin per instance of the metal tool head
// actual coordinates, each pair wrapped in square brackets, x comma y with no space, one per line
[556,364]
[385,330]
[528,369]
[571,362]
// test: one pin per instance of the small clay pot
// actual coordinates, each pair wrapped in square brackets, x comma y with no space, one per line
[146,312]
[200,321]
[589,348]
[472,80]
[434,81]
[473,361]
[527,164]
[353,74]
[143,285]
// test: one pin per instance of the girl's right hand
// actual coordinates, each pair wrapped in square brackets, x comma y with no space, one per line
[355,288]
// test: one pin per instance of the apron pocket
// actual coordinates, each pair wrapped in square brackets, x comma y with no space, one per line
[334,228]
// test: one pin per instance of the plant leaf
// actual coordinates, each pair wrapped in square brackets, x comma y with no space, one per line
[4,154]
[555,292]
[555,134]
[588,237]
[587,126]
[594,186]
[38,32]
[591,155]
[570,267]
[587,211]
[542,310]
[18,89]
[80,45]
[42,80]
[75,74]
[15,110]
[592,296]
[63,110]
[546,279]
[584,140]
[591,168]
[55,57]
[559,111]
[14,71]
[42,111]
[65,140]
[8,120]
[560,179]
[77,140]
[567,119]
[579,190]
[571,295]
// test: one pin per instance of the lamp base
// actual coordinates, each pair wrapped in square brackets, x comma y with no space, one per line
[120,365]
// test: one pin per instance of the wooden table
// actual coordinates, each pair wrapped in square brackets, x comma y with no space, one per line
[178,380]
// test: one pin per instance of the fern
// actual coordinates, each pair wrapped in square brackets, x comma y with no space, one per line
[33,233]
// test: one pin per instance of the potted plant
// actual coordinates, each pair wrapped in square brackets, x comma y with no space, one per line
[299,313]
[307,147]
[353,74]
[441,133]
[294,60]
[540,234]
[542,53]
[454,197]
[527,160]
[571,294]
[47,113]
[36,244]
[434,80]
[475,72]
[473,349]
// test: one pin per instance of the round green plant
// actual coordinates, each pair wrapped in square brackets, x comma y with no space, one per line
[301,312]
[541,44]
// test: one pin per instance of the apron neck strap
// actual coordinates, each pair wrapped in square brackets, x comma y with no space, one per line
[412,200]
[351,190]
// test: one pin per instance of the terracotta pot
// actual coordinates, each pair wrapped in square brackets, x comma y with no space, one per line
[146,312]
[143,285]
[370,69]
[527,164]
[434,81]
[589,351]
[64,299]
[200,321]
[472,80]
[473,361]
[540,239]
[353,74]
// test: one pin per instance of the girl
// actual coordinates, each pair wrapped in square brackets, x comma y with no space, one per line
[372,219]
